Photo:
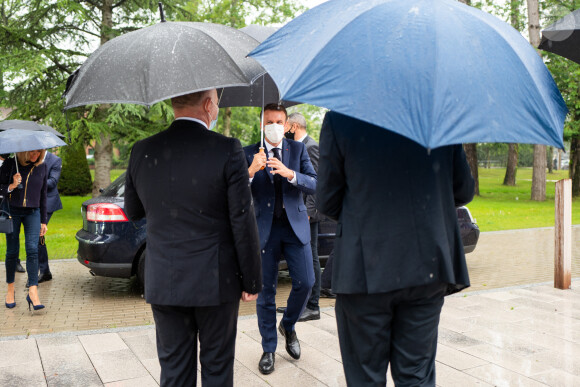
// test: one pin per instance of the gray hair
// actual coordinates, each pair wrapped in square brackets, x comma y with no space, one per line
[297,118]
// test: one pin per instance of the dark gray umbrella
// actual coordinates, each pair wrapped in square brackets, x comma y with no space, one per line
[260,33]
[563,37]
[28,125]
[263,90]
[163,61]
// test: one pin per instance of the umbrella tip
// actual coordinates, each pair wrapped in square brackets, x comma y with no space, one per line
[161,12]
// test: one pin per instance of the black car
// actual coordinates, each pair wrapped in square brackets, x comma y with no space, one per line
[112,246]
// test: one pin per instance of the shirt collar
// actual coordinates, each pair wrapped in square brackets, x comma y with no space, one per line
[270,146]
[301,139]
[192,119]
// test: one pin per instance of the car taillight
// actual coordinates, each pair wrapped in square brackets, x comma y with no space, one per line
[105,212]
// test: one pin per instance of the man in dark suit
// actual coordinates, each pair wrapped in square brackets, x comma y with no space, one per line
[53,203]
[398,248]
[296,130]
[202,240]
[278,178]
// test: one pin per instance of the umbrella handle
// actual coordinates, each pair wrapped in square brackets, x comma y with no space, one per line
[16,162]
[262,152]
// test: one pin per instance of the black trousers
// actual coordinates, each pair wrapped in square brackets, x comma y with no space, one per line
[398,327]
[178,329]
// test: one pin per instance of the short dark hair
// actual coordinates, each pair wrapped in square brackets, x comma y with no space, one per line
[276,107]
[192,99]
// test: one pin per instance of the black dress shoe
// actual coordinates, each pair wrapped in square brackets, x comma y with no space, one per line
[281,309]
[327,293]
[292,343]
[44,277]
[266,364]
[19,268]
[309,314]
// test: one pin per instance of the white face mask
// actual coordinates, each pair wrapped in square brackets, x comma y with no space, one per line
[274,133]
[213,123]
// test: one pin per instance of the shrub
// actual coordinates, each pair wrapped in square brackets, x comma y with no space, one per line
[75,178]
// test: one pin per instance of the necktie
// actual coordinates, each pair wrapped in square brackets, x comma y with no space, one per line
[278,204]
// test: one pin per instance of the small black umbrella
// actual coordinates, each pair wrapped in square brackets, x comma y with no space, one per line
[262,90]
[563,37]
[28,125]
[18,140]
[163,61]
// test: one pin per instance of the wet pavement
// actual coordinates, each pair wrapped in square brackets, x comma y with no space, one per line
[510,328]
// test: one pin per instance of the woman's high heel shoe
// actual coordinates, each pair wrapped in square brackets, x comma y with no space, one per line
[36,307]
[12,305]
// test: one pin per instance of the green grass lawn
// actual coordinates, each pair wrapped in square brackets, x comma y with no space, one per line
[505,208]
[498,208]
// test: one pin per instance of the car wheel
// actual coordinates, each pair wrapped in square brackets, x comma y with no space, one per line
[141,269]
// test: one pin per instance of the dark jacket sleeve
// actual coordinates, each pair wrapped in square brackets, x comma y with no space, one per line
[306,178]
[331,174]
[43,214]
[54,173]
[243,220]
[133,205]
[310,200]
[463,182]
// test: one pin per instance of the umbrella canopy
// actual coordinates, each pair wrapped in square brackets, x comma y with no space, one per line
[258,32]
[163,61]
[262,90]
[16,140]
[438,72]
[28,125]
[563,37]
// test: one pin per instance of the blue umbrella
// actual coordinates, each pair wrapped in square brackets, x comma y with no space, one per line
[16,140]
[436,71]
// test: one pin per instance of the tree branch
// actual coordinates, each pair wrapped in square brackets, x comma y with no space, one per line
[119,3]
[93,3]
[39,48]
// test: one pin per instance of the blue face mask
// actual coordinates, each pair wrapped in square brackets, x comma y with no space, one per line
[213,123]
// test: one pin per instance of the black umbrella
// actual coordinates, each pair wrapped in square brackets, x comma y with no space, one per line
[163,61]
[261,91]
[563,37]
[18,140]
[28,125]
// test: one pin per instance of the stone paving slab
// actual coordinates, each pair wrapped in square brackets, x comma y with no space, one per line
[77,301]
[488,350]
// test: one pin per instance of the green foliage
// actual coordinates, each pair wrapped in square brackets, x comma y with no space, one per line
[75,178]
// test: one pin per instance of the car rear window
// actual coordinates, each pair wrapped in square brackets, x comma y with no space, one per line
[116,189]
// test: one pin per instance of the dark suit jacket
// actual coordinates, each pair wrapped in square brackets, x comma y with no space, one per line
[310,200]
[395,203]
[54,166]
[294,157]
[202,239]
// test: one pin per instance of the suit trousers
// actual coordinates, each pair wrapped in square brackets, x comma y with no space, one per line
[398,327]
[178,329]
[298,256]
[42,253]
[315,294]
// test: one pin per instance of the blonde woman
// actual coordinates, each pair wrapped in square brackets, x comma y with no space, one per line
[25,187]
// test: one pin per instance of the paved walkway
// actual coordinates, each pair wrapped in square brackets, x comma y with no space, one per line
[499,332]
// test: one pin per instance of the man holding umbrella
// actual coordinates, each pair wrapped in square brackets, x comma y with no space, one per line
[398,246]
[278,178]
[202,240]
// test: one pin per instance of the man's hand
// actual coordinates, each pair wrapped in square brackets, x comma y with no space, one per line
[279,168]
[247,297]
[258,163]
[43,229]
